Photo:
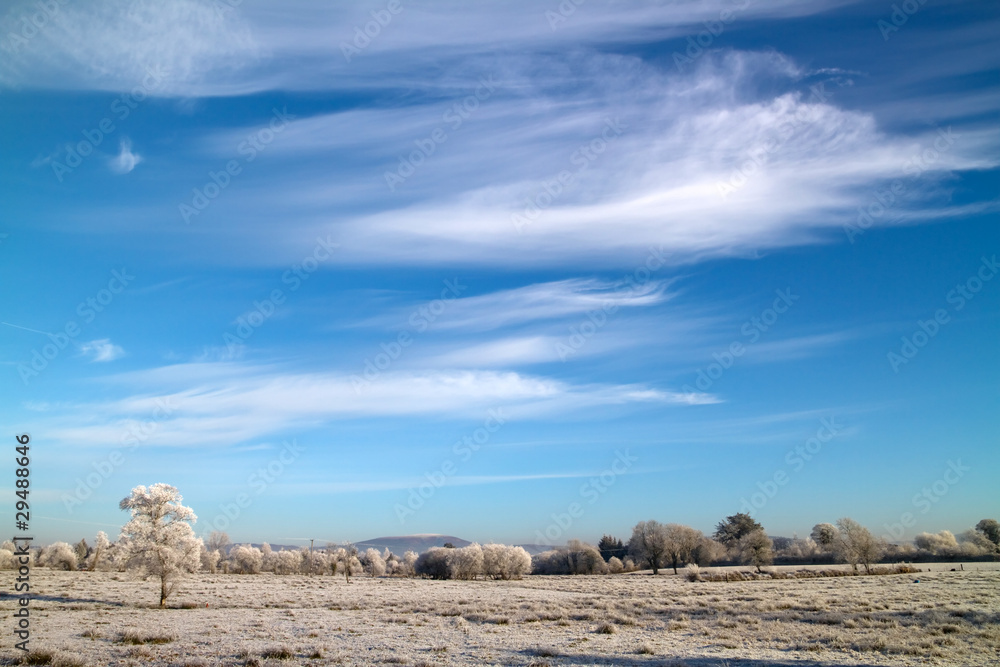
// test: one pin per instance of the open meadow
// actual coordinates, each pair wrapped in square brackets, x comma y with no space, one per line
[108,618]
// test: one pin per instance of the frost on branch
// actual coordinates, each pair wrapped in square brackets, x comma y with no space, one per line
[159,540]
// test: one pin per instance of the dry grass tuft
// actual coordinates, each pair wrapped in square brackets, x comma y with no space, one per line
[137,638]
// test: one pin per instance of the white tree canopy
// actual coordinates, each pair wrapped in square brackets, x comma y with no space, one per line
[159,538]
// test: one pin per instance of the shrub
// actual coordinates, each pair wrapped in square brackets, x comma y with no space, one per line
[433,563]
[58,556]
[575,558]
[245,559]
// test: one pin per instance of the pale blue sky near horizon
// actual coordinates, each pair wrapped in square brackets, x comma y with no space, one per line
[512,273]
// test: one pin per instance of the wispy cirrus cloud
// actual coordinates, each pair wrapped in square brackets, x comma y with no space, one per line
[231,403]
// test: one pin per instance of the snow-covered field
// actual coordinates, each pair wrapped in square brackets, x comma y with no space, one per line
[948,618]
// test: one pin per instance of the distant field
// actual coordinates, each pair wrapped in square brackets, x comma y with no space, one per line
[948,618]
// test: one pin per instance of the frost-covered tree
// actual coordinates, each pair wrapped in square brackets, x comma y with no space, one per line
[801,549]
[101,558]
[82,550]
[755,549]
[433,563]
[286,562]
[575,558]
[408,564]
[707,552]
[217,541]
[648,544]
[269,558]
[940,544]
[615,565]
[465,563]
[681,542]
[735,527]
[373,563]
[856,544]
[58,556]
[245,559]
[505,562]
[990,529]
[345,559]
[159,539]
[825,536]
[210,559]
[974,543]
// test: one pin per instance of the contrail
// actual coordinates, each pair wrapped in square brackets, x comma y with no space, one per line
[17,326]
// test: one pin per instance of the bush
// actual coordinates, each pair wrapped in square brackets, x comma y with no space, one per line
[575,558]
[58,556]
[433,563]
[245,559]
[504,562]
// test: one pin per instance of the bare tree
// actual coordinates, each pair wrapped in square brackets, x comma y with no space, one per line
[159,538]
[681,543]
[217,541]
[373,563]
[856,544]
[648,544]
[101,554]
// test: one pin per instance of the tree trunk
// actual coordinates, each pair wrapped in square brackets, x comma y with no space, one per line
[163,591]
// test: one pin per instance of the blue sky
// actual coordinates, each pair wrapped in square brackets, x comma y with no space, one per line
[512,272]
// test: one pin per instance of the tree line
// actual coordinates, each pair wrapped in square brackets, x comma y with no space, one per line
[158,542]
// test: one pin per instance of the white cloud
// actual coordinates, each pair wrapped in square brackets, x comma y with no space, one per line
[544,301]
[671,180]
[226,404]
[101,350]
[211,48]
[126,160]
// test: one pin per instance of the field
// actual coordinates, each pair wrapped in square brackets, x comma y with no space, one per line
[102,618]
